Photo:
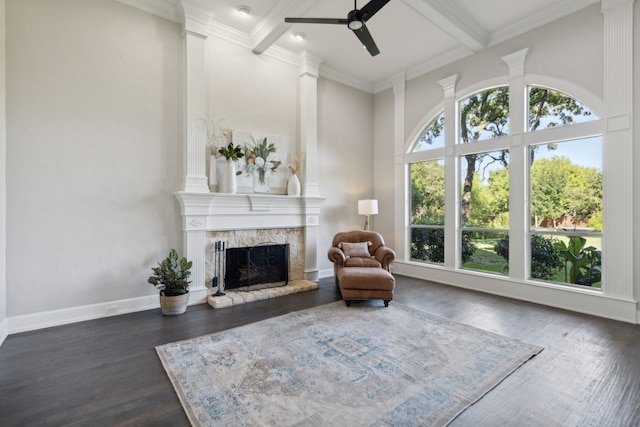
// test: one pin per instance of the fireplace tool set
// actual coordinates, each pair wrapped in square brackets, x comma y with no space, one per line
[218,273]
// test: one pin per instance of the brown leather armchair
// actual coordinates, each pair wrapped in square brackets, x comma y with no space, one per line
[379,255]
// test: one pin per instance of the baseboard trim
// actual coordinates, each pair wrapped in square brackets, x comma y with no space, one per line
[579,300]
[323,274]
[47,319]
[4,330]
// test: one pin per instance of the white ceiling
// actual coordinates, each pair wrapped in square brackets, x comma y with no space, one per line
[412,35]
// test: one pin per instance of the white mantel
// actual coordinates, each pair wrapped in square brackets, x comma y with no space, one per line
[221,211]
[204,212]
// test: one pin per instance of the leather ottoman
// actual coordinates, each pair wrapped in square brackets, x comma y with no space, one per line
[366,283]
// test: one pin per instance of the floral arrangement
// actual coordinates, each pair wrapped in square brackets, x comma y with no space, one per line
[231,152]
[261,159]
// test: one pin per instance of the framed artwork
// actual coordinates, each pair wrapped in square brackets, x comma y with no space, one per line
[262,168]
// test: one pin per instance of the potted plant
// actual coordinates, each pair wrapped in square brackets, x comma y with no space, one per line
[170,277]
[232,153]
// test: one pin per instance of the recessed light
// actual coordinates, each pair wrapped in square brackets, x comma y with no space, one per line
[244,10]
[299,36]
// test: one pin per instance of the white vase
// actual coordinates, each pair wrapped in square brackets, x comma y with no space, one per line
[293,186]
[229,182]
[220,163]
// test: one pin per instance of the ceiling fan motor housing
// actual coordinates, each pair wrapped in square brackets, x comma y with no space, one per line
[355,20]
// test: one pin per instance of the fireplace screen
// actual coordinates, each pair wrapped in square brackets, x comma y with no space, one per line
[257,267]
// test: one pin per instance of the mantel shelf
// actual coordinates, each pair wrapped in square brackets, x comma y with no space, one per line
[221,211]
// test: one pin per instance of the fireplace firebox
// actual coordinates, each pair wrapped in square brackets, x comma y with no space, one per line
[257,267]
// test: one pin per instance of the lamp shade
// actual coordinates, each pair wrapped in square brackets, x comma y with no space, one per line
[367,207]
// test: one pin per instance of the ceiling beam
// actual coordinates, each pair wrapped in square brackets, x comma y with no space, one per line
[454,21]
[272,27]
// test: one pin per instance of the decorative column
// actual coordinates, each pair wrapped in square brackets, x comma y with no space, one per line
[618,163]
[452,254]
[309,71]
[400,199]
[309,122]
[519,248]
[196,20]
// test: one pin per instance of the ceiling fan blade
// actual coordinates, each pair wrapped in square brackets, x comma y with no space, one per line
[366,39]
[316,21]
[372,8]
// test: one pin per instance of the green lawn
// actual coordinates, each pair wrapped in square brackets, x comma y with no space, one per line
[486,259]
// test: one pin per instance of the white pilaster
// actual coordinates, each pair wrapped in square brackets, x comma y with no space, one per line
[519,248]
[309,71]
[451,254]
[618,163]
[196,20]
[401,198]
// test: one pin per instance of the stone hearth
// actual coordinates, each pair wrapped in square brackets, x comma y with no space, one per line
[234,297]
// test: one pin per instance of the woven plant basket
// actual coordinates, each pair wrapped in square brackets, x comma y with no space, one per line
[173,305]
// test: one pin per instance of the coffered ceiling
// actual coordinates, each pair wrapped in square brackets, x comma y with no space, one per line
[412,35]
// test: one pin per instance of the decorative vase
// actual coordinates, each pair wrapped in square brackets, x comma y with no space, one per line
[220,163]
[261,182]
[229,182]
[293,186]
[173,305]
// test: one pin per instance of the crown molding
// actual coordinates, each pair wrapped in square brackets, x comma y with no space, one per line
[533,21]
[167,9]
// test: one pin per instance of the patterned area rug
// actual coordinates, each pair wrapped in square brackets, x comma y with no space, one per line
[336,365]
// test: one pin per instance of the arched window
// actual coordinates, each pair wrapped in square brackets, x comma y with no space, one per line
[563,171]
[550,108]
[431,137]
[484,115]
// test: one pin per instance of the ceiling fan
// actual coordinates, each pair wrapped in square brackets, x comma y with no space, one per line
[355,21]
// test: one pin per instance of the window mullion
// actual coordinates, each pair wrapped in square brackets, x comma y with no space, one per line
[451,237]
[518,235]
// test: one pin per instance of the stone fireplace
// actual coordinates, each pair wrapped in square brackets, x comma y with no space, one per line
[292,236]
[247,220]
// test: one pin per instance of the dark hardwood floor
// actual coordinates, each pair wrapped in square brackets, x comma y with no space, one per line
[106,372]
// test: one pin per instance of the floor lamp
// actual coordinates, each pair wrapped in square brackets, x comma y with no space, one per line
[367,207]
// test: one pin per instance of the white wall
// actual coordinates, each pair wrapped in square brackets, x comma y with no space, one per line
[345,153]
[3,180]
[250,92]
[383,166]
[94,150]
[94,137]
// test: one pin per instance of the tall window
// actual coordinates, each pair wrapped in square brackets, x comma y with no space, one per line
[566,213]
[427,211]
[484,210]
